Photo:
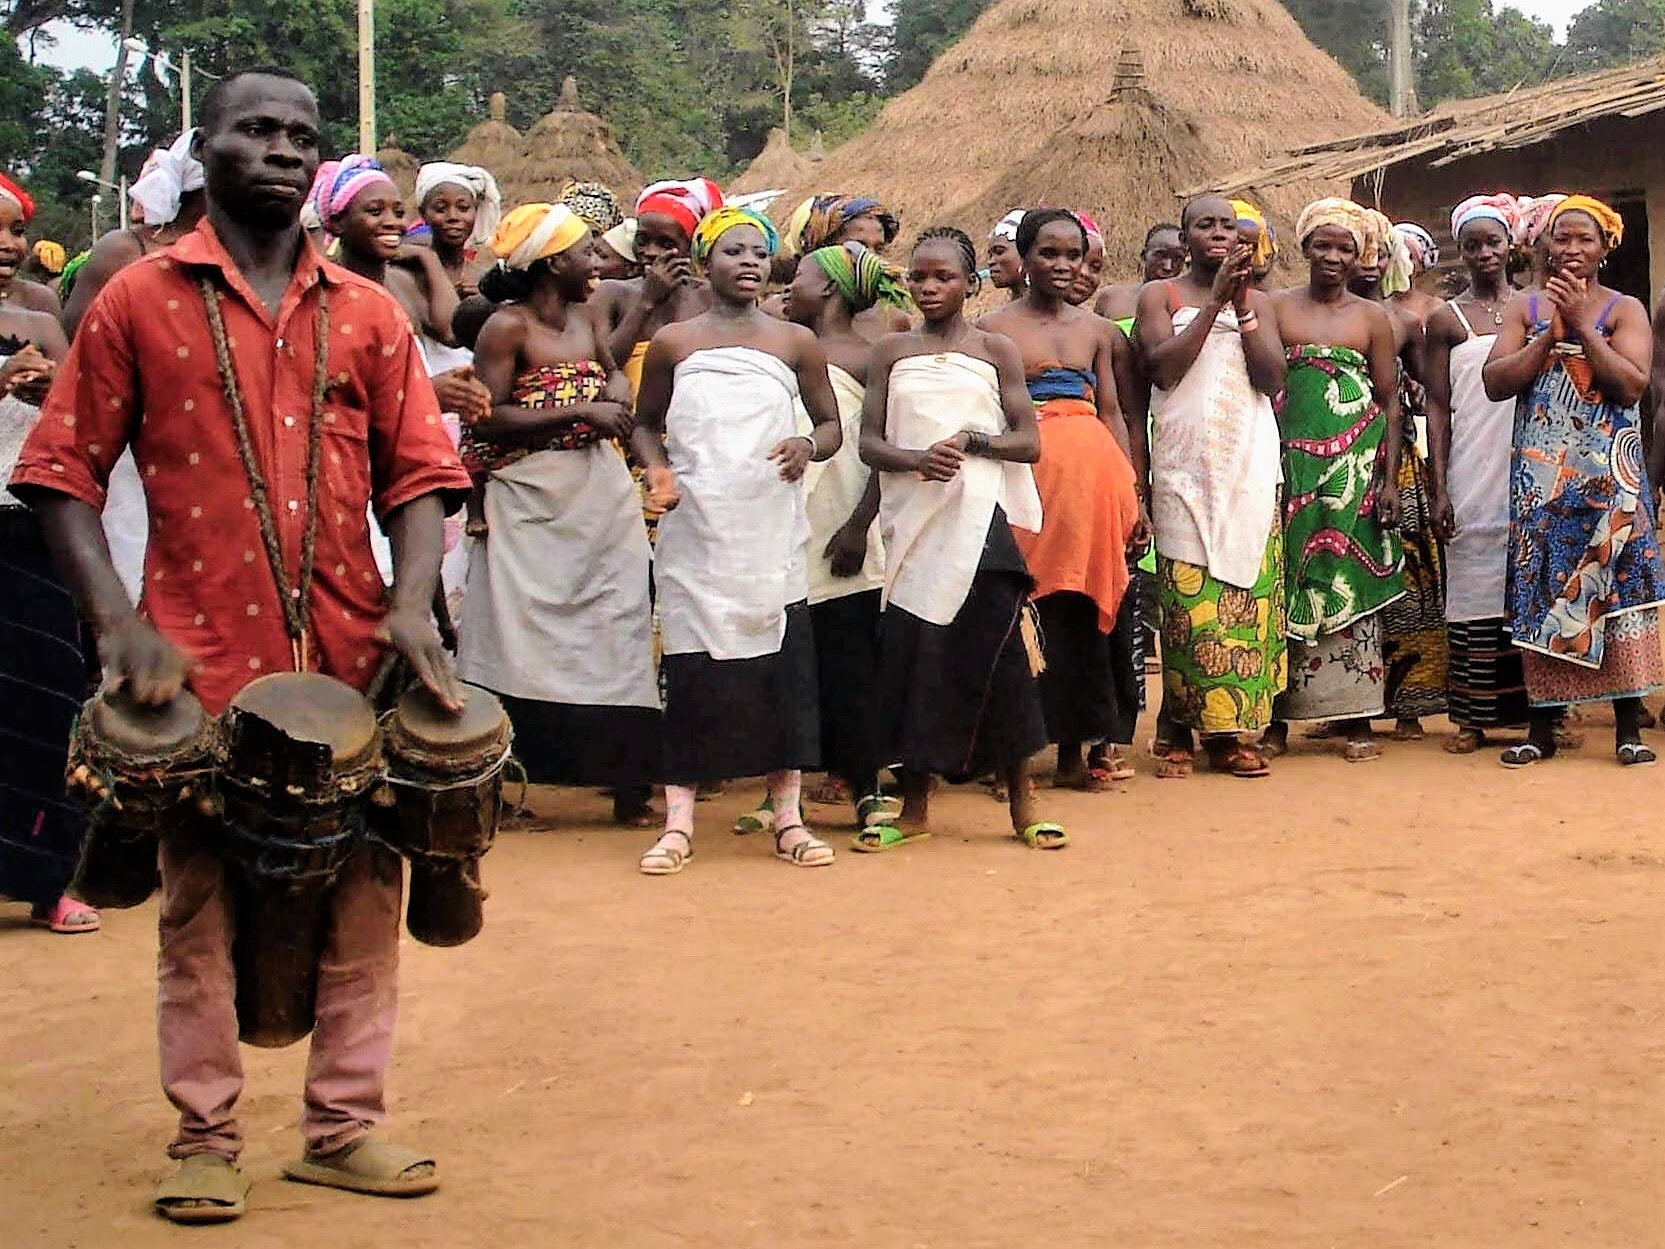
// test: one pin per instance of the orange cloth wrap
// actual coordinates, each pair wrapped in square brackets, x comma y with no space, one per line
[1089,507]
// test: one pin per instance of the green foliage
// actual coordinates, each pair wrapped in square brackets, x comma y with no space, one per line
[1464,49]
[1611,32]
[1355,33]
[923,29]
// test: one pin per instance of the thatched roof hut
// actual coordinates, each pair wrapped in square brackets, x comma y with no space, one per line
[1597,133]
[564,146]
[401,166]
[777,166]
[493,143]
[1110,106]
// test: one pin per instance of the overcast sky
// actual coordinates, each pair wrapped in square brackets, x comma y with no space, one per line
[76,48]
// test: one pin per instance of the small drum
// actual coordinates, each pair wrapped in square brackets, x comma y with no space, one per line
[441,806]
[143,770]
[298,751]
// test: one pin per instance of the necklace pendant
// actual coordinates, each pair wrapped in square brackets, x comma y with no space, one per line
[1497,318]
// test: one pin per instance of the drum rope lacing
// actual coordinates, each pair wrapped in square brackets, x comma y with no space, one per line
[297,600]
[264,854]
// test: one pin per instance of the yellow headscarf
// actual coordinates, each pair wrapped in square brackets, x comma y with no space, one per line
[1612,225]
[716,224]
[1266,242]
[534,232]
[1338,212]
[793,239]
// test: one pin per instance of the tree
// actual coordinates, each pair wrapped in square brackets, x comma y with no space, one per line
[1464,49]
[1611,32]
[1355,33]
[922,30]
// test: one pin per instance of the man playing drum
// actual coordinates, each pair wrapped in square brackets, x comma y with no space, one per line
[257,472]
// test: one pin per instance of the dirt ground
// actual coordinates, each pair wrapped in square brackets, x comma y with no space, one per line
[1410,1003]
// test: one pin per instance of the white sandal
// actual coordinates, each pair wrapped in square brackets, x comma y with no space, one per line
[664,860]
[810,852]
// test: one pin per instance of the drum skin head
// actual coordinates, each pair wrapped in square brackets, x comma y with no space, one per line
[137,730]
[421,719]
[312,707]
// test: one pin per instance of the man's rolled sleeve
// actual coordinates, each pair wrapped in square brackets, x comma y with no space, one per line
[410,453]
[89,415]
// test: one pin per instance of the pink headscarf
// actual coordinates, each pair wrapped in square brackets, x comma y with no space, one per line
[1091,227]
[1534,216]
[339,182]
[1501,207]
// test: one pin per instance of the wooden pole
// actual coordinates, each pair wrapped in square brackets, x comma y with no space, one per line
[112,99]
[184,91]
[1401,83]
[367,77]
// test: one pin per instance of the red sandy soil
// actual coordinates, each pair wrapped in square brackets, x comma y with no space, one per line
[1415,1002]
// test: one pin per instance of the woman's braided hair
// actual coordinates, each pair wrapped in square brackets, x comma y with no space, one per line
[961,240]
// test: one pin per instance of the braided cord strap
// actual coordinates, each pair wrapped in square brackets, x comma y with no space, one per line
[296,600]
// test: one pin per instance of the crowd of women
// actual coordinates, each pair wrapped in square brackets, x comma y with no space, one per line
[753,501]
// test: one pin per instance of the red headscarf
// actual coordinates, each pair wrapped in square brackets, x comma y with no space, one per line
[687,203]
[18,196]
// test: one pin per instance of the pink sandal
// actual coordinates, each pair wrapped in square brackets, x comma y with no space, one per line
[66,915]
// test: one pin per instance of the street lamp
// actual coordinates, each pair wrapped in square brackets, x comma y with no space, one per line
[87,175]
[95,202]
[160,62]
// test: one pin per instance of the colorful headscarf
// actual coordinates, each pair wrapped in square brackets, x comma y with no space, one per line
[793,235]
[169,175]
[50,256]
[1091,227]
[1337,212]
[595,203]
[1266,239]
[686,203]
[718,223]
[1611,225]
[1534,216]
[622,239]
[1384,247]
[829,214]
[340,182]
[1425,252]
[1007,227]
[534,232]
[17,195]
[1500,207]
[861,277]
[478,182]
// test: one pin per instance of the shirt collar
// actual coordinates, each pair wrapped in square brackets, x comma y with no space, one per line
[202,248]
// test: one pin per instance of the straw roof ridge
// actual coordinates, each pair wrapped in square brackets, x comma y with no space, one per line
[565,145]
[1458,128]
[401,166]
[777,165]
[493,143]
[1112,106]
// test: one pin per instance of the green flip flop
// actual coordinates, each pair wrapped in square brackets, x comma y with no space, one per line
[876,809]
[877,838]
[1044,836]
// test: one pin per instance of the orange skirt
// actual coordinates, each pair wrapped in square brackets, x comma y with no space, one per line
[1089,507]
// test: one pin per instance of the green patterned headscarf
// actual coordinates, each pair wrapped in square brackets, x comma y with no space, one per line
[861,277]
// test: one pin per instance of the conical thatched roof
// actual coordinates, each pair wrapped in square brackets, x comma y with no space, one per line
[401,166]
[493,143]
[564,146]
[1102,105]
[776,166]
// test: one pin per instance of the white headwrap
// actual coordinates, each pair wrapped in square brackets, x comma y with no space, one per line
[168,175]
[622,239]
[1007,227]
[488,200]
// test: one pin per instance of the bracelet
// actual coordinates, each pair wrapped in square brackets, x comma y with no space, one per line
[814,447]
[1248,321]
[976,443]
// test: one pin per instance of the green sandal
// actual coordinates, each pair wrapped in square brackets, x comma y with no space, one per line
[206,1188]
[761,820]
[1044,836]
[877,838]
[877,809]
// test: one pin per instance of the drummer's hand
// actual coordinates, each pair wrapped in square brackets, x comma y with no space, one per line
[136,655]
[413,635]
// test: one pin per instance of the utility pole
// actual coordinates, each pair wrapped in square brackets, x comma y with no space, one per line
[366,76]
[1401,84]
[112,99]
